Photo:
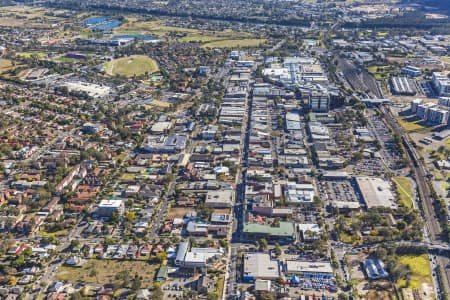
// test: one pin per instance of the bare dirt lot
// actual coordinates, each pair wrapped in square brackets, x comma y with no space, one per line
[178,212]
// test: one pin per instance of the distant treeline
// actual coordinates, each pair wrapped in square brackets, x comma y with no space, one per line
[411,20]
[194,15]
[440,4]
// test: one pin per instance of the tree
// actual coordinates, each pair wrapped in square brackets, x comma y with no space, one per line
[213,296]
[263,243]
[157,294]
[136,285]
[161,256]
[130,216]
[94,273]
[76,296]
[75,243]
[19,261]
[277,249]
[343,296]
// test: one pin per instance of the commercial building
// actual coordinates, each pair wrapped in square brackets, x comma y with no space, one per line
[220,198]
[441,84]
[376,192]
[319,102]
[196,257]
[374,269]
[422,110]
[183,248]
[415,104]
[293,121]
[91,128]
[411,71]
[282,234]
[91,89]
[437,115]
[444,101]
[299,194]
[260,266]
[161,127]
[200,257]
[309,232]
[107,207]
[165,144]
[308,269]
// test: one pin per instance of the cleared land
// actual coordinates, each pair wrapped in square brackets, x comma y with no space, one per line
[420,270]
[39,55]
[211,39]
[105,271]
[404,190]
[235,43]
[24,16]
[131,66]
[410,126]
[5,64]
[179,212]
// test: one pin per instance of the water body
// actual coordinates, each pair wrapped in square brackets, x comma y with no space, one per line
[101,23]
[94,20]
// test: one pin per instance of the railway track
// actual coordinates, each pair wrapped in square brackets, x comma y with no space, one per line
[431,221]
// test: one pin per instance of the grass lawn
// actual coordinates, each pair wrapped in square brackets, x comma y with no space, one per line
[63,232]
[378,69]
[131,65]
[219,286]
[410,126]
[404,190]
[128,177]
[107,270]
[420,270]
[235,43]
[40,55]
[156,28]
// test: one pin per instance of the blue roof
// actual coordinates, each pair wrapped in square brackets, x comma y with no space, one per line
[295,279]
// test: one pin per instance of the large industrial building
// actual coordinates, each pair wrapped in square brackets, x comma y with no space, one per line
[376,192]
[260,266]
[402,86]
[196,257]
[282,234]
[309,269]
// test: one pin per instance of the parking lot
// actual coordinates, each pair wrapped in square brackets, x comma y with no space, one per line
[369,166]
[176,286]
[389,151]
[339,190]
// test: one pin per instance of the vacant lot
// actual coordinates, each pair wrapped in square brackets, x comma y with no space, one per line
[211,39]
[5,64]
[420,270]
[410,126]
[104,271]
[178,212]
[404,190]
[156,28]
[39,55]
[235,43]
[131,66]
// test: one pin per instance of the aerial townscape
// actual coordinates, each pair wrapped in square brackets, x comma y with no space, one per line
[225,149]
